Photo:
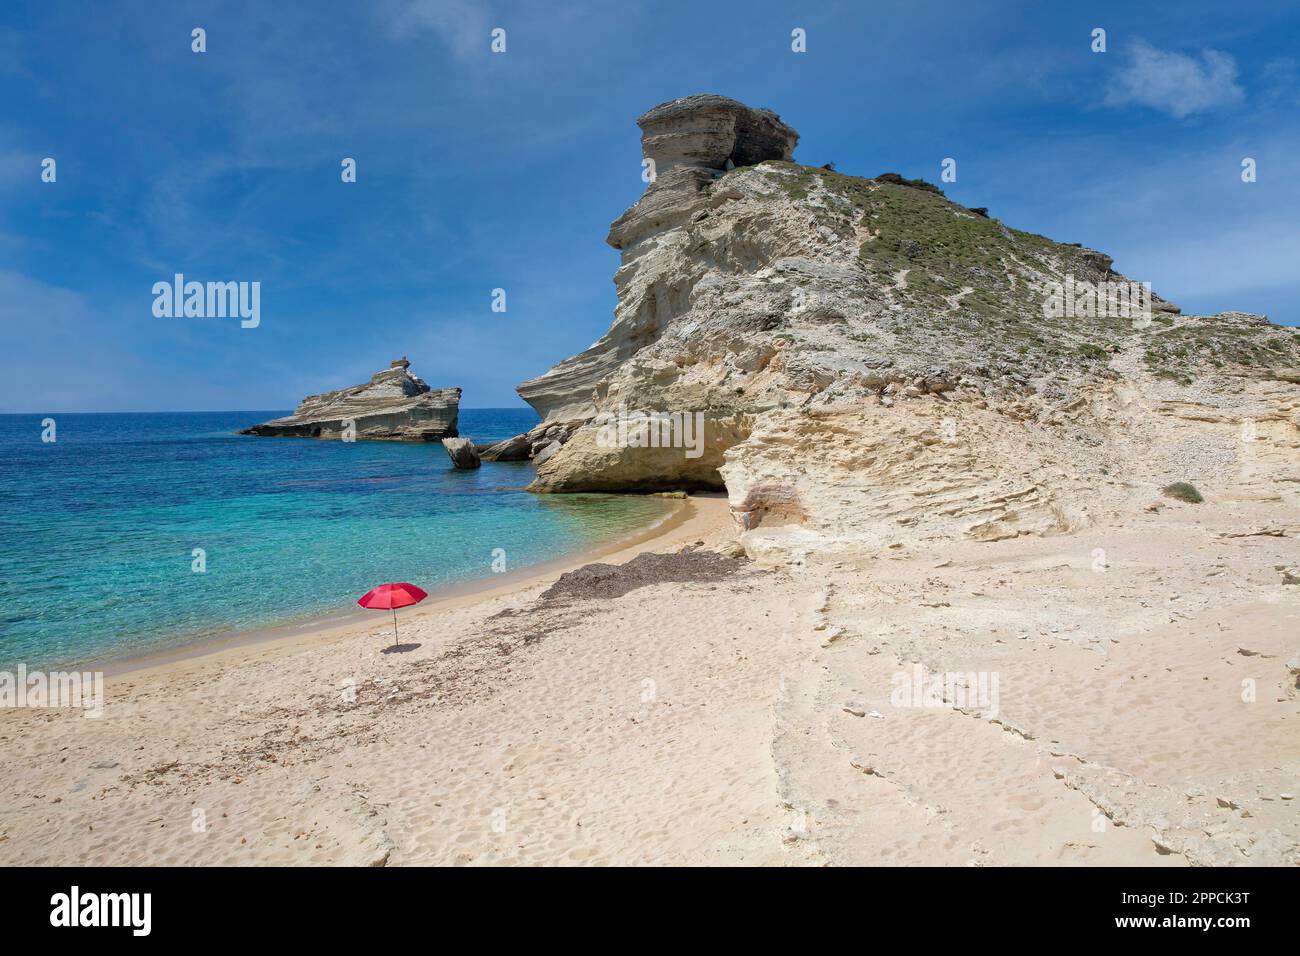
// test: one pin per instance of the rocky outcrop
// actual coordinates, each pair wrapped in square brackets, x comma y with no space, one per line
[393,406]
[461,452]
[692,141]
[713,132]
[518,448]
[876,364]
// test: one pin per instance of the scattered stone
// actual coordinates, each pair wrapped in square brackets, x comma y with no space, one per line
[835,634]
[462,453]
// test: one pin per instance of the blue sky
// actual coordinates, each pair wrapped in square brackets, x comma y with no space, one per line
[479,170]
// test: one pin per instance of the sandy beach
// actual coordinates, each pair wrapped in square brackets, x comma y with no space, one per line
[691,706]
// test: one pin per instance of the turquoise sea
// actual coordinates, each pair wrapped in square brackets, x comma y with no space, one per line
[98,529]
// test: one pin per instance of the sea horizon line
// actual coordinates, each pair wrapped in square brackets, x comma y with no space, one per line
[231,411]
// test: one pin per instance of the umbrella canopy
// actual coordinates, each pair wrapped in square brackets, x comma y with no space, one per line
[389,597]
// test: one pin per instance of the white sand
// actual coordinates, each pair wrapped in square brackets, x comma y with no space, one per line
[717,722]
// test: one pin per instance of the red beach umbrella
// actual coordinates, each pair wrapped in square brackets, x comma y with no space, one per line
[389,597]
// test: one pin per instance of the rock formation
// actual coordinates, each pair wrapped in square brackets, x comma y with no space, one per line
[518,448]
[878,364]
[393,406]
[461,452]
[691,141]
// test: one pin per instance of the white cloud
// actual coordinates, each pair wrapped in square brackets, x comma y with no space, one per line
[460,23]
[1175,83]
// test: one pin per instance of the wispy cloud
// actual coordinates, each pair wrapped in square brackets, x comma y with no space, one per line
[461,24]
[1175,83]
[1281,80]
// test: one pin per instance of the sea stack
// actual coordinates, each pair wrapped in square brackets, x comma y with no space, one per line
[393,406]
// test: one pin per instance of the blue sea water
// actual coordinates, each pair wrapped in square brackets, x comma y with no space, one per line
[98,528]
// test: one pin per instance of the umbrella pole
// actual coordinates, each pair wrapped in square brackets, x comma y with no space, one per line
[394,627]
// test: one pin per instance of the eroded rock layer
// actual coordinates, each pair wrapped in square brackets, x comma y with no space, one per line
[876,363]
[393,406]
